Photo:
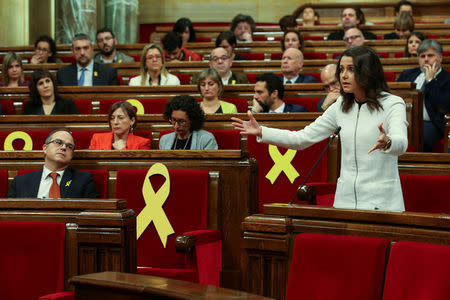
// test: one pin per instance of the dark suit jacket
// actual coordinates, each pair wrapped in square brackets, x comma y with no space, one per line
[291,107]
[74,184]
[62,107]
[339,35]
[238,77]
[436,94]
[103,75]
[302,78]
[391,36]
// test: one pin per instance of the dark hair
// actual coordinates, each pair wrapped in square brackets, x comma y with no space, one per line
[172,41]
[228,36]
[37,75]
[9,58]
[369,75]
[287,21]
[105,29]
[300,38]
[127,108]
[181,25]
[404,21]
[48,139]
[52,45]
[417,34]
[273,82]
[359,13]
[190,106]
[80,37]
[400,4]
[242,18]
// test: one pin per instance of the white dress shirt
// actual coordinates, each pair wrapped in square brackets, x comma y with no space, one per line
[47,181]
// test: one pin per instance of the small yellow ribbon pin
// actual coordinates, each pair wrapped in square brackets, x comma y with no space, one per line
[8,144]
[95,73]
[68,182]
[153,210]
[282,163]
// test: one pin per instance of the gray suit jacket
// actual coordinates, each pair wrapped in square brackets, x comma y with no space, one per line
[201,140]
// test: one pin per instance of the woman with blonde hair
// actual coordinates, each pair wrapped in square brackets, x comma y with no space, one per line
[12,70]
[152,69]
[210,87]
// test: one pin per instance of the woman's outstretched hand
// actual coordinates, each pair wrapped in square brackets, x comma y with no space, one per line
[250,127]
[382,140]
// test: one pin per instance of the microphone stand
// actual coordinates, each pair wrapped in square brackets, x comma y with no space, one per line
[302,186]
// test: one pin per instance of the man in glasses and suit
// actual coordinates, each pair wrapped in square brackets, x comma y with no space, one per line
[57,179]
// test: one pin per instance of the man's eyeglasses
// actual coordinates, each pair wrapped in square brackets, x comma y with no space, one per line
[181,122]
[60,143]
[352,37]
[217,58]
[329,85]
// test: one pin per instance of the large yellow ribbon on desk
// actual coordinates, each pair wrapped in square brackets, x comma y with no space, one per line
[139,107]
[153,210]
[282,163]
[8,144]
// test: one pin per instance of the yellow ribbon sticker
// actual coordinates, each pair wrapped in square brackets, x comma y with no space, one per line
[68,182]
[138,105]
[282,163]
[8,144]
[95,73]
[153,210]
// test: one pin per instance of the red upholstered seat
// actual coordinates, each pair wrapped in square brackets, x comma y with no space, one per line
[336,267]
[418,271]
[136,58]
[276,56]
[226,139]
[433,36]
[253,55]
[259,38]
[336,54]
[151,106]
[32,260]
[84,106]
[310,103]
[251,77]
[241,104]
[184,78]
[281,189]
[315,55]
[202,39]
[446,53]
[186,209]
[8,107]
[383,54]
[390,76]
[37,139]
[399,54]
[67,59]
[3,183]
[315,75]
[313,38]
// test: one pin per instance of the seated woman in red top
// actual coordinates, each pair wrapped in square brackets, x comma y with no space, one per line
[122,121]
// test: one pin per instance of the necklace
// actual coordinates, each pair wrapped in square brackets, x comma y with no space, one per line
[185,145]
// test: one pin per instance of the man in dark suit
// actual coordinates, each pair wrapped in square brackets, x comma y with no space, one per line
[86,72]
[291,65]
[56,179]
[268,97]
[434,81]
[352,16]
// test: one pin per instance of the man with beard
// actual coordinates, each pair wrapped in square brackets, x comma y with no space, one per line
[268,97]
[106,43]
[85,72]
[352,16]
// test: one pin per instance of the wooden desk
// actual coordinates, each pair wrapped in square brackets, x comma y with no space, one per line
[115,285]
[100,234]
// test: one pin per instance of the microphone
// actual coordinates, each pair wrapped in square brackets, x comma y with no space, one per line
[302,188]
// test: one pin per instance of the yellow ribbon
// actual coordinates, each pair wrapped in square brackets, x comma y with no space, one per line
[153,210]
[282,163]
[138,105]
[8,144]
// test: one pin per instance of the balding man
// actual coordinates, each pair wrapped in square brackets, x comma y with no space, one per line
[221,61]
[291,64]
[353,37]
[331,86]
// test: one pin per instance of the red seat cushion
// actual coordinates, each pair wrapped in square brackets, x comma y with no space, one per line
[184,78]
[151,106]
[390,76]
[8,107]
[84,106]
[315,55]
[240,103]
[37,138]
[310,103]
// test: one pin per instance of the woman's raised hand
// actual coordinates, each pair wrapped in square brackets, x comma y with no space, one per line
[250,127]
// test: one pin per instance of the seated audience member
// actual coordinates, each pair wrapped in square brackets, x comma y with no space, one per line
[352,16]
[221,61]
[122,121]
[174,50]
[291,65]
[85,72]
[243,27]
[44,97]
[413,42]
[288,22]
[403,26]
[227,40]
[292,39]
[309,17]
[57,179]
[152,68]
[403,6]
[210,87]
[353,37]
[268,97]
[187,118]
[45,51]
[106,43]
[185,29]
[331,86]
[434,81]
[12,71]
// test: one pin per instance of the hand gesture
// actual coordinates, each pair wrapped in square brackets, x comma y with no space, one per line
[250,127]
[36,59]
[330,99]
[382,140]
[256,107]
[430,70]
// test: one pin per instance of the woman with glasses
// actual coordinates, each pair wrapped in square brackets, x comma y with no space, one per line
[122,121]
[44,97]
[12,70]
[187,118]
[152,69]
[45,51]
[210,87]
